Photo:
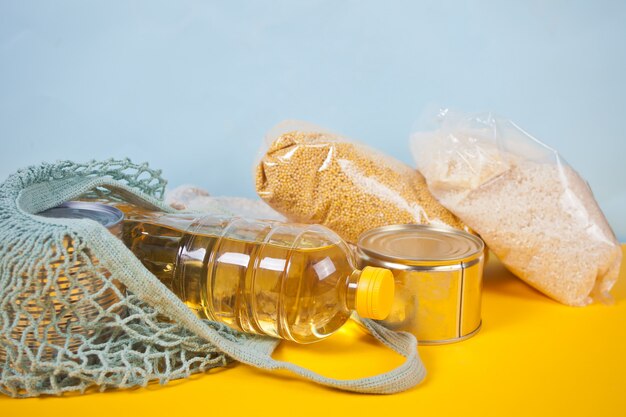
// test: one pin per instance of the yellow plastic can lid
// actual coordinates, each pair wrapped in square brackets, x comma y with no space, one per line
[374,293]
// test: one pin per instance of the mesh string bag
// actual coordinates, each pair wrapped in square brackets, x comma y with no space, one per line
[78,310]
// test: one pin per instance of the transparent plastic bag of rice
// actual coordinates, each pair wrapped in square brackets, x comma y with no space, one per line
[529,206]
[314,176]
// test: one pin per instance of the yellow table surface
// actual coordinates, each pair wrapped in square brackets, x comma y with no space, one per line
[532,355]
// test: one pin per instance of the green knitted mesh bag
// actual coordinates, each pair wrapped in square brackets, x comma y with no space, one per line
[78,309]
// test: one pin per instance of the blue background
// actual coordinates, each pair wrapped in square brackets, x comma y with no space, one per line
[193,86]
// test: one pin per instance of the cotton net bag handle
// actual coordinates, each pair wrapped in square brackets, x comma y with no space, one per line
[39,188]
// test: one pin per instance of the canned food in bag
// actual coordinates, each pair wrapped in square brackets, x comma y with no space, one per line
[63,290]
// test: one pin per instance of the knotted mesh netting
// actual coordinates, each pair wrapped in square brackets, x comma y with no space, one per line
[67,319]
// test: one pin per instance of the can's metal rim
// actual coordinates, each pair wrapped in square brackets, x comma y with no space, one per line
[367,245]
[106,215]
[426,267]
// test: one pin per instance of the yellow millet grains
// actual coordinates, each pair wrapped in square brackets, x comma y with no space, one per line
[348,187]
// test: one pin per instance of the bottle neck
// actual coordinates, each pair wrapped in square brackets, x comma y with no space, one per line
[352,283]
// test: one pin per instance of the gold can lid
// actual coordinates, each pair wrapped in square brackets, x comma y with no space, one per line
[421,245]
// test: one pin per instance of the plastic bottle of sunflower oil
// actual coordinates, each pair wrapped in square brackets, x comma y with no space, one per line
[293,281]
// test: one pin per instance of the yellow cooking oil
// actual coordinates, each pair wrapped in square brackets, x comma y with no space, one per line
[292,281]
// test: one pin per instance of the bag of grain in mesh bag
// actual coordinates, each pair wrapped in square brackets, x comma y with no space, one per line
[314,176]
[529,206]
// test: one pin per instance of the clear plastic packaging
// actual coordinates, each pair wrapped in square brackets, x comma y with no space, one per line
[314,176]
[196,199]
[297,282]
[529,206]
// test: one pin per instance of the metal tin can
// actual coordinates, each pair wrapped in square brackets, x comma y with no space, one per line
[67,299]
[108,216]
[438,272]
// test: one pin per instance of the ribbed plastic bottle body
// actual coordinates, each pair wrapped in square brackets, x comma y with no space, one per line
[277,279]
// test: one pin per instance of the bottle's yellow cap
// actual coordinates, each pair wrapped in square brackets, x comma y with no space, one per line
[374,293]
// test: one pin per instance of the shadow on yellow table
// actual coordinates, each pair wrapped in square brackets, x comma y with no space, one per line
[532,356]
